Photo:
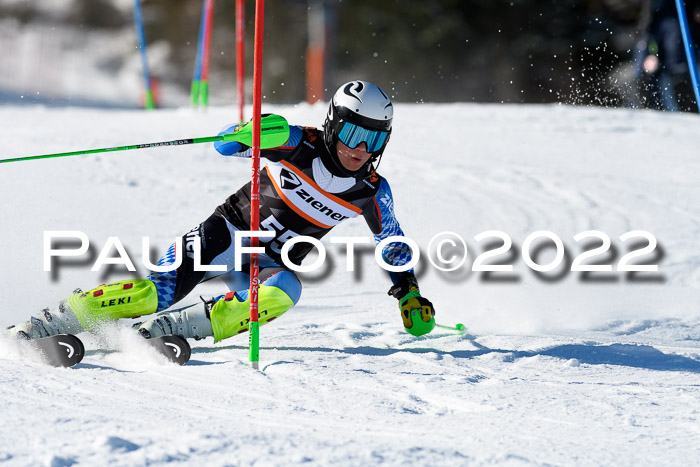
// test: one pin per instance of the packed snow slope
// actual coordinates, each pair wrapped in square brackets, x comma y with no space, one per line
[557,367]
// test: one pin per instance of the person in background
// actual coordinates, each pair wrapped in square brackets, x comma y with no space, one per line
[661,65]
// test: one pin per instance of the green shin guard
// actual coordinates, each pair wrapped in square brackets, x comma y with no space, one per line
[230,316]
[109,302]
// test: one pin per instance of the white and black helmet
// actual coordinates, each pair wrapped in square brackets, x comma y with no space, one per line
[360,112]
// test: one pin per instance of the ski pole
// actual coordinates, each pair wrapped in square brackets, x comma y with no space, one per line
[459,327]
[274,132]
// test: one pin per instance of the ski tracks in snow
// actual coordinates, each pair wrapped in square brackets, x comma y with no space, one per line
[360,392]
[577,373]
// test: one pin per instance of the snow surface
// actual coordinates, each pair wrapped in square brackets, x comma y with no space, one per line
[557,368]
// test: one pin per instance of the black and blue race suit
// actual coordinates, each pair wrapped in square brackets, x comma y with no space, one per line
[298,196]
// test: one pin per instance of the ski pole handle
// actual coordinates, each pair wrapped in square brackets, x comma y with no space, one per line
[274,132]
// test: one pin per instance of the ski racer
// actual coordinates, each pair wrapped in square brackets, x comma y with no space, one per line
[317,180]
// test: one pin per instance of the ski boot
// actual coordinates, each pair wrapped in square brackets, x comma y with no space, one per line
[221,317]
[230,315]
[48,323]
[87,311]
[189,322]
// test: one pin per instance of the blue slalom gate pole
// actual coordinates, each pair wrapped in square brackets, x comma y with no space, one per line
[138,21]
[197,75]
[689,50]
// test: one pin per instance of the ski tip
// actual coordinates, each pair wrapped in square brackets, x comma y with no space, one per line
[61,350]
[174,348]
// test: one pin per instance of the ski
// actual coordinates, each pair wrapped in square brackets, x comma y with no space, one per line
[61,350]
[174,348]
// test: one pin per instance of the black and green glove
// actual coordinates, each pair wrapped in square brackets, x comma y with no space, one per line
[417,312]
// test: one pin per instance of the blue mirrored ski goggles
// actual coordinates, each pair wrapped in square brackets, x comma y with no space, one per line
[353,135]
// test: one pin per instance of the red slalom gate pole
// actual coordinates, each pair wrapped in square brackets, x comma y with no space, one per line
[240,57]
[253,325]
